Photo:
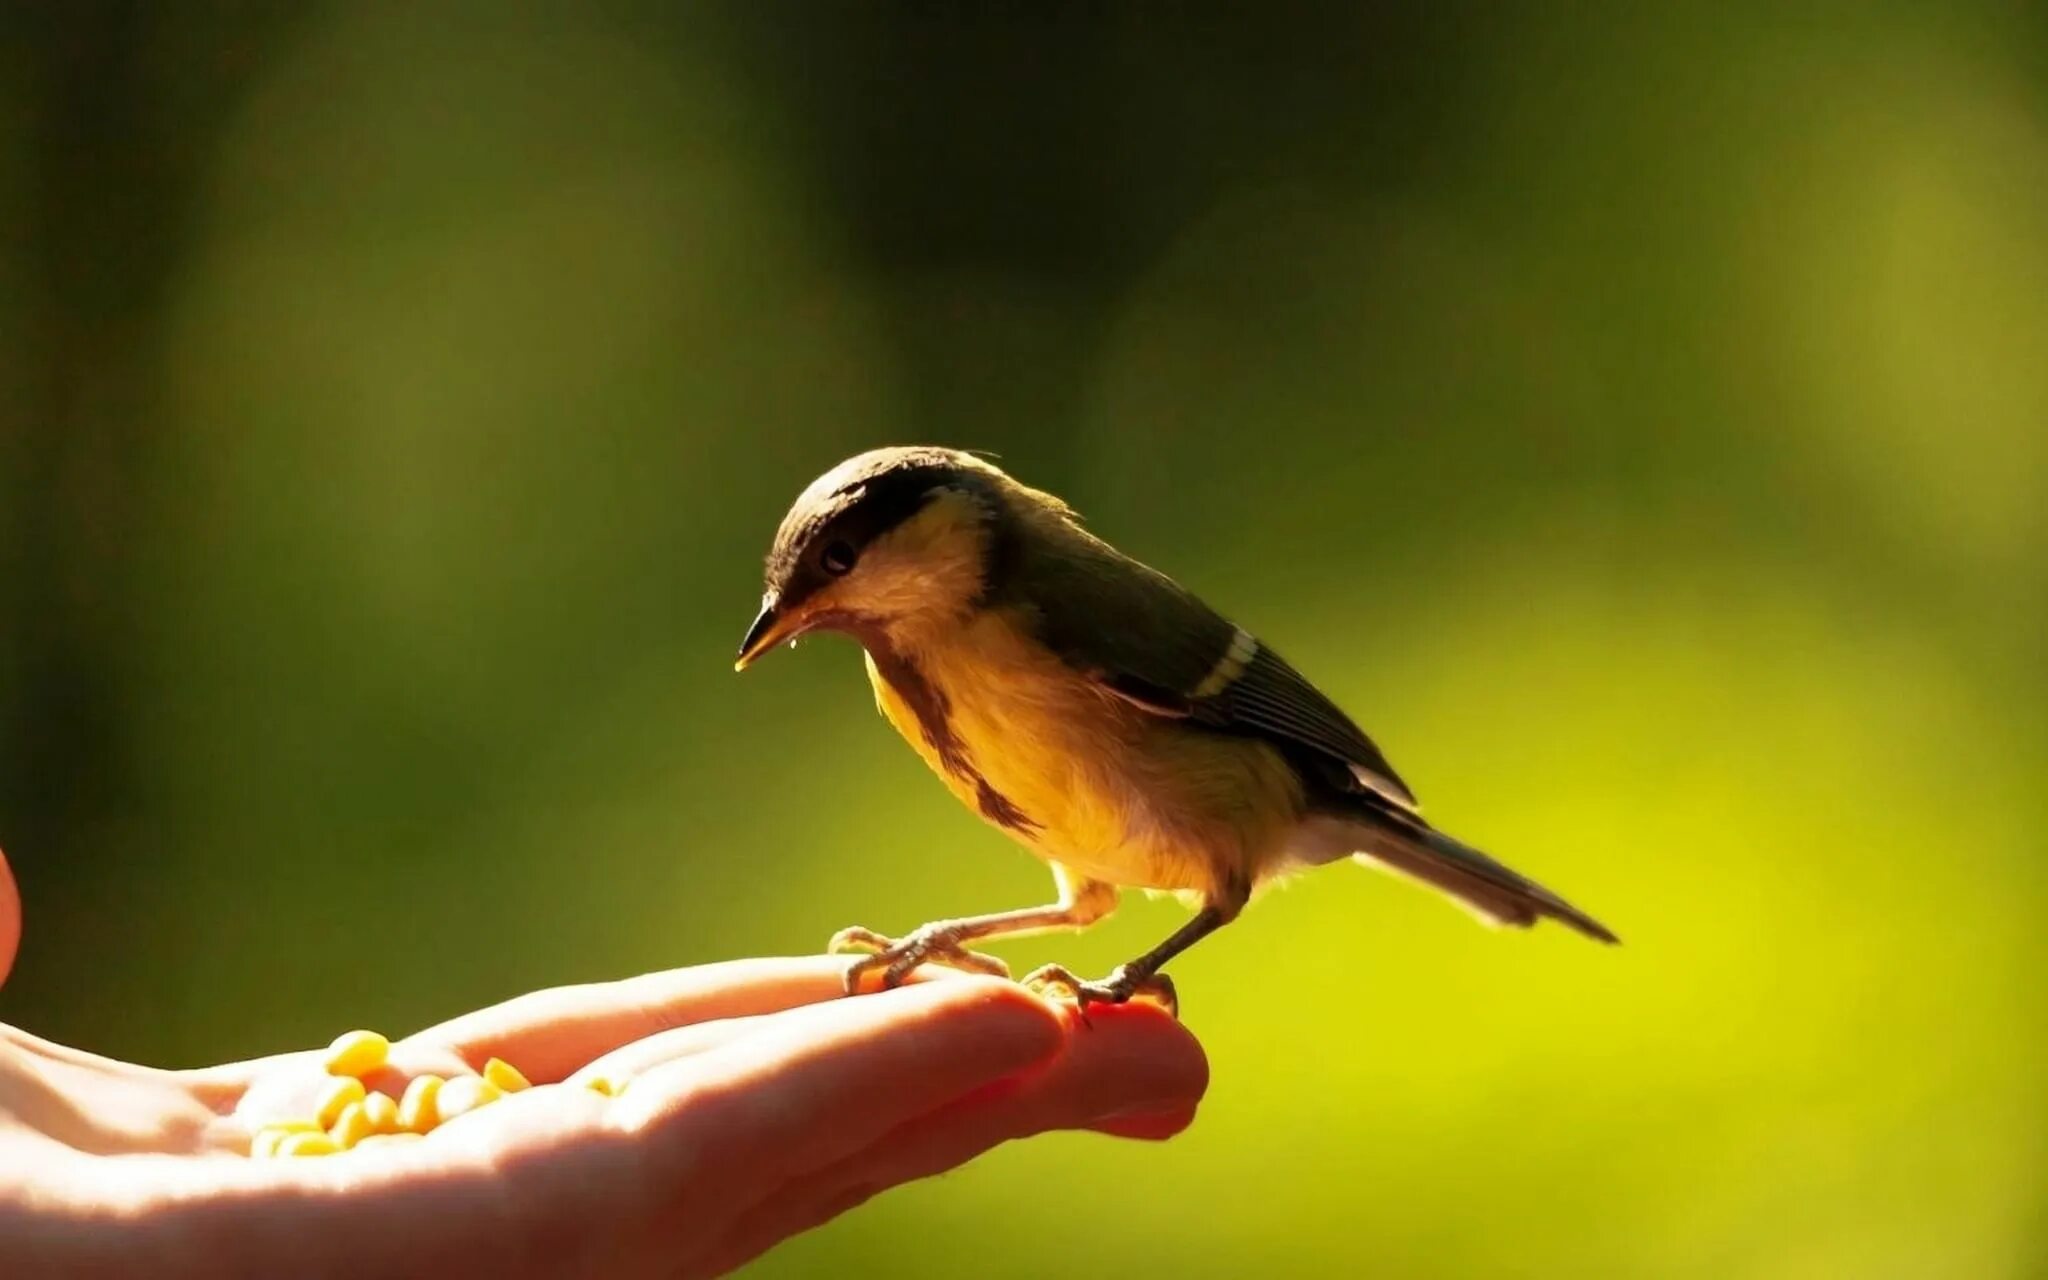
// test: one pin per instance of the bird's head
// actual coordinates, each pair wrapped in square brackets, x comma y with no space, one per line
[890,540]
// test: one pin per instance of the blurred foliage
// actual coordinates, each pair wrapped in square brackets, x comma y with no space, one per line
[1635,414]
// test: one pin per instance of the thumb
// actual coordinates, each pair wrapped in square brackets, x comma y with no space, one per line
[10,918]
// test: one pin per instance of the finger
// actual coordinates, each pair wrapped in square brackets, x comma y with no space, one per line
[1148,1127]
[10,918]
[520,1030]
[638,1057]
[815,1086]
[1133,1070]
[630,1061]
[1135,1073]
[548,1034]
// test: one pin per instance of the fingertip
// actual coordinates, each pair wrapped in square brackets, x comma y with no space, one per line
[1155,1046]
[1147,1126]
[1123,1061]
[1029,1025]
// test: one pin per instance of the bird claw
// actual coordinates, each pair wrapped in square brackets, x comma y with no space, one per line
[1057,982]
[897,957]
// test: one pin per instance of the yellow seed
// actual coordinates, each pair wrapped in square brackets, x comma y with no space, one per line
[334,1097]
[465,1094]
[264,1144]
[351,1127]
[506,1076]
[307,1144]
[381,1112]
[357,1053]
[601,1084]
[419,1110]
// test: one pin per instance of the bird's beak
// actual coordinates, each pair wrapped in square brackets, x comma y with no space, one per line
[770,628]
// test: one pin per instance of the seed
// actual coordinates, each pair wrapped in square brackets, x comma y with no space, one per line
[601,1084]
[464,1094]
[338,1094]
[381,1112]
[307,1144]
[351,1127]
[265,1143]
[419,1110]
[506,1076]
[357,1053]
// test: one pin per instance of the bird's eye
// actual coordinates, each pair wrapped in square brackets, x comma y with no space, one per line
[837,558]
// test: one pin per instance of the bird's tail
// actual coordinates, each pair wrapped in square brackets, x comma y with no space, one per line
[1404,843]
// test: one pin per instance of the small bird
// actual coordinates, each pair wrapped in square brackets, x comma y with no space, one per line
[1094,709]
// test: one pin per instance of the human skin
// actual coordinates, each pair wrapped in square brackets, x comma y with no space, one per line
[758,1102]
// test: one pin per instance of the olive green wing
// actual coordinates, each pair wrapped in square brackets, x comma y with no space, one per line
[1155,644]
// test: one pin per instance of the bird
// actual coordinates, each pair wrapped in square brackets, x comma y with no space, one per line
[1095,710]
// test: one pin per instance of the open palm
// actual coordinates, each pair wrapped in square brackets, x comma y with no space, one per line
[757,1102]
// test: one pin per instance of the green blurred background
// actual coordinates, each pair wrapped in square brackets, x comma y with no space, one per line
[1638,415]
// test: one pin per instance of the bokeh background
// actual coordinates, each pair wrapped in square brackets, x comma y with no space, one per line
[1638,415]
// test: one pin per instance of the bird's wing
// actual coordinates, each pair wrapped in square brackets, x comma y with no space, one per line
[1153,643]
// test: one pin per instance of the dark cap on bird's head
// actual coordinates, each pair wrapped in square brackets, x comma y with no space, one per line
[858,515]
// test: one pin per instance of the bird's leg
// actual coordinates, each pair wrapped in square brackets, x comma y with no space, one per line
[1142,974]
[1082,902]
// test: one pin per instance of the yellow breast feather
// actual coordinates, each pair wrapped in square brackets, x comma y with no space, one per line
[1112,792]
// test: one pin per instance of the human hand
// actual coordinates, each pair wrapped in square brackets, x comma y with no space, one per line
[759,1103]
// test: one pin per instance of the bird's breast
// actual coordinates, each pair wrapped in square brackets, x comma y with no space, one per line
[1078,775]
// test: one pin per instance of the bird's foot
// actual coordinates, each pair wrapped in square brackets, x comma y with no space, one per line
[1123,984]
[938,943]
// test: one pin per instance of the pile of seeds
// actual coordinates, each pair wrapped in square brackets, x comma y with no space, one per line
[349,1116]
